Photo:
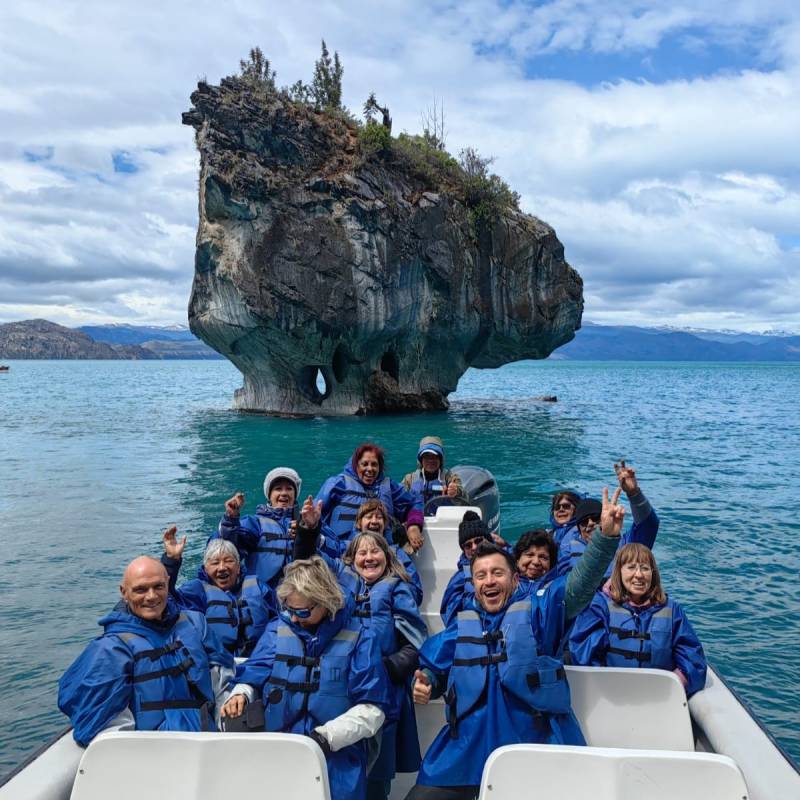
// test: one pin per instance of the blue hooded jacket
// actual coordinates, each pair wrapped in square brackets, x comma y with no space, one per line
[160,670]
[365,676]
[342,494]
[238,615]
[657,636]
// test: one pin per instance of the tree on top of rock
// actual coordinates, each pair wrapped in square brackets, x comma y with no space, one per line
[256,69]
[326,87]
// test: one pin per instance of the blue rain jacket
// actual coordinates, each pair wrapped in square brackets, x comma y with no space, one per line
[161,671]
[264,541]
[658,636]
[573,547]
[403,557]
[341,667]
[238,616]
[503,713]
[342,495]
[458,592]
[389,608]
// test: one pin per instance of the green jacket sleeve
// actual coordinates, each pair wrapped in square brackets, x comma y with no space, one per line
[587,575]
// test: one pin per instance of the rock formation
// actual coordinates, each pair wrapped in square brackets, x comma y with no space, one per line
[316,260]
[42,339]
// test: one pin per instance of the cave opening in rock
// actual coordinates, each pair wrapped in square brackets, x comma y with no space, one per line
[390,364]
[340,362]
[314,383]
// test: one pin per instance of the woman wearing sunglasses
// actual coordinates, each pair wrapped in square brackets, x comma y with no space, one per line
[562,513]
[587,515]
[633,623]
[319,673]
[386,602]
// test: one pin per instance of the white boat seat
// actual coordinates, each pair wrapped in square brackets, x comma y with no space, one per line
[436,562]
[201,766]
[561,772]
[644,709]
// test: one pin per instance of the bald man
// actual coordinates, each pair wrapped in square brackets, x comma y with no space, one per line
[155,668]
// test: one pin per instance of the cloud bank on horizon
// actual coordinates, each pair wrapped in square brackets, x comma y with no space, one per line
[660,142]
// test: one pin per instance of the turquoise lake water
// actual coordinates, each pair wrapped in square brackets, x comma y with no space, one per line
[97,457]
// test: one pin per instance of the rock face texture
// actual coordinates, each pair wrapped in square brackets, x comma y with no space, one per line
[340,283]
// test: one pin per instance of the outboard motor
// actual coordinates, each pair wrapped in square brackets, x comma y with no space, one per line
[481,488]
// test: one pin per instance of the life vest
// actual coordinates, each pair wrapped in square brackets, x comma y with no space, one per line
[238,620]
[374,609]
[171,681]
[537,681]
[427,489]
[274,549]
[306,691]
[639,640]
[353,495]
[469,586]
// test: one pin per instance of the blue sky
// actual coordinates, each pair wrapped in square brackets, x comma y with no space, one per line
[660,140]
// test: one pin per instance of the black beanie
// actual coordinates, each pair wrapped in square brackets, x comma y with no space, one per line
[588,507]
[470,527]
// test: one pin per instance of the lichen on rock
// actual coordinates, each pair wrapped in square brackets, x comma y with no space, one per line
[315,258]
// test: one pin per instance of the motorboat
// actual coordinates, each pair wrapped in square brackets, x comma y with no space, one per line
[645,740]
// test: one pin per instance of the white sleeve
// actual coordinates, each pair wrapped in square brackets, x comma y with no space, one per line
[243,688]
[220,678]
[359,722]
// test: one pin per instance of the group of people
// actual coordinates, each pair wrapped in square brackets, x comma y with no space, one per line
[304,618]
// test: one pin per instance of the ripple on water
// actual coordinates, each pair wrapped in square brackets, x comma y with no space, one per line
[114,451]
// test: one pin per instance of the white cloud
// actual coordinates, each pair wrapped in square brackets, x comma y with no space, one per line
[676,197]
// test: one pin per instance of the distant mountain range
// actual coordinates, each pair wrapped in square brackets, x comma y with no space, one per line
[39,338]
[628,343]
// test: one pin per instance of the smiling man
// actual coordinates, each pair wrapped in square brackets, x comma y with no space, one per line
[498,664]
[152,667]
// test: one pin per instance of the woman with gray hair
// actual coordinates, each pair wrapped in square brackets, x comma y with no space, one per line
[236,605]
[320,674]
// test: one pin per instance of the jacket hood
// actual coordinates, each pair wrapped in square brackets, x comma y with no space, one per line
[348,469]
[566,525]
[121,620]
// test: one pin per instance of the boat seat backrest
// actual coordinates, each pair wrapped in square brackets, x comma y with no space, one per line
[568,773]
[201,766]
[436,562]
[643,709]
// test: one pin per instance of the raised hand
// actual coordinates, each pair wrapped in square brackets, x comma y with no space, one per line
[233,505]
[612,514]
[415,537]
[422,688]
[172,547]
[451,490]
[627,478]
[234,707]
[310,513]
[498,540]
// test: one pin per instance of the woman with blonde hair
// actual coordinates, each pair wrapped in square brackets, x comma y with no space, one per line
[632,622]
[319,673]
